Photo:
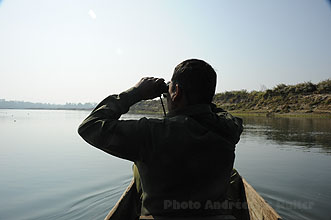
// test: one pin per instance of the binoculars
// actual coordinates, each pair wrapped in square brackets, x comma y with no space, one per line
[164,88]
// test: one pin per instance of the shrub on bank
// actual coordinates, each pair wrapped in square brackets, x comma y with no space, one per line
[282,98]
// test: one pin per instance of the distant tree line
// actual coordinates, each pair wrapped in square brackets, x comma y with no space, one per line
[4,104]
[303,97]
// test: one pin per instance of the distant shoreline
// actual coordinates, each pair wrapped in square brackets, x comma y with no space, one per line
[283,115]
[4,104]
[235,113]
[73,109]
[301,100]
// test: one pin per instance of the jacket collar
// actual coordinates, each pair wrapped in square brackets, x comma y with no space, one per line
[191,110]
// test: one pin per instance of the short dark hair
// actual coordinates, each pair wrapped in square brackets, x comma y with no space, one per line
[197,79]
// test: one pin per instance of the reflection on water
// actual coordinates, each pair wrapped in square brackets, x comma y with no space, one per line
[287,160]
[306,133]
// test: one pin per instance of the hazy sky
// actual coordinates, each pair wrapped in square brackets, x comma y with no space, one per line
[83,50]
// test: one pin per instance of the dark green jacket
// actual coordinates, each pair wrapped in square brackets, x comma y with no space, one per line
[185,158]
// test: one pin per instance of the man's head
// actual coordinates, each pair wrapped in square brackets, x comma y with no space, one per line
[193,82]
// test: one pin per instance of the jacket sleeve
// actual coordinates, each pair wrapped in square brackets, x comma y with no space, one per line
[233,126]
[103,129]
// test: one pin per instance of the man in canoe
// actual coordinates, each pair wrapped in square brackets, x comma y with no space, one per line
[184,160]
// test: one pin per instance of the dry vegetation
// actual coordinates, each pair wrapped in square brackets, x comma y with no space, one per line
[302,98]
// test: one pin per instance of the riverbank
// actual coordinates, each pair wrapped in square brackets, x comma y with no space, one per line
[255,114]
[236,113]
[301,100]
[282,115]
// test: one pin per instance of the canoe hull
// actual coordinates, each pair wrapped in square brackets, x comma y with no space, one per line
[127,209]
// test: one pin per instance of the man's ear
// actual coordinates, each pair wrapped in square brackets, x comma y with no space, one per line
[177,94]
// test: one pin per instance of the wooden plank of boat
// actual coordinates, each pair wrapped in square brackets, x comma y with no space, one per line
[126,207]
[258,208]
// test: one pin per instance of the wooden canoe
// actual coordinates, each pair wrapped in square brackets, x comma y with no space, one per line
[259,209]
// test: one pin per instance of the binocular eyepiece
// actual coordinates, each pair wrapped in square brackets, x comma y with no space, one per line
[164,88]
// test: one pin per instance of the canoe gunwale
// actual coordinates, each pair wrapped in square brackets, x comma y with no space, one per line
[258,208]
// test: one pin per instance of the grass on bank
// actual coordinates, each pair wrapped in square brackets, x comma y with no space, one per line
[300,100]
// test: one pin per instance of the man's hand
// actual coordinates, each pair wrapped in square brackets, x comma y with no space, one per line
[150,87]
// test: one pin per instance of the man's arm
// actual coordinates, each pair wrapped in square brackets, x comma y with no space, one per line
[233,126]
[121,138]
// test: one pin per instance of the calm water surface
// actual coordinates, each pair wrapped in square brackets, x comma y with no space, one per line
[48,172]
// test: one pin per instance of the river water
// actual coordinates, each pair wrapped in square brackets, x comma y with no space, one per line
[48,172]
